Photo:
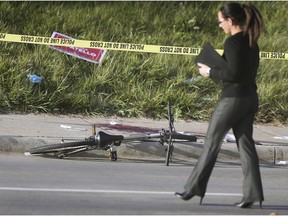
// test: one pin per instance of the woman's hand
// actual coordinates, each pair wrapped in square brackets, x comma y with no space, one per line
[204,70]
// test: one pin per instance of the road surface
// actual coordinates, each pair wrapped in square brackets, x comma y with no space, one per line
[84,185]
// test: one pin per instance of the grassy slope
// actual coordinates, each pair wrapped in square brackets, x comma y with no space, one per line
[129,84]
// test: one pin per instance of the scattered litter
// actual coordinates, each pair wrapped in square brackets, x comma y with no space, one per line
[281,137]
[113,123]
[70,128]
[66,126]
[282,163]
[34,78]
[27,154]
[229,138]
[192,80]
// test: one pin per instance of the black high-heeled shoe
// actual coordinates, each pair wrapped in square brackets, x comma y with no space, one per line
[244,204]
[186,196]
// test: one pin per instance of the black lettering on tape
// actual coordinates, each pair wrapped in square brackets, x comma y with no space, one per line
[275,55]
[177,50]
[107,45]
[166,49]
[67,41]
[185,50]
[195,50]
[96,44]
[27,39]
[265,55]
[54,40]
[2,36]
[115,45]
[136,47]
[46,40]
[124,46]
[38,40]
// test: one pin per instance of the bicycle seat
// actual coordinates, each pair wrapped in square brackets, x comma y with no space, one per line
[103,139]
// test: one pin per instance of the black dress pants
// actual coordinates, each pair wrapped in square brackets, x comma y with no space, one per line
[236,113]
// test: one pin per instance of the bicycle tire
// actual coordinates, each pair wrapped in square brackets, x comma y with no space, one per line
[186,137]
[60,146]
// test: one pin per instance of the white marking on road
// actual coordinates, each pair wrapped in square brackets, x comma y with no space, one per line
[103,191]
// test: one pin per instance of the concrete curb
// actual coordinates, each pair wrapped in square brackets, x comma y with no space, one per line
[26,131]
[152,150]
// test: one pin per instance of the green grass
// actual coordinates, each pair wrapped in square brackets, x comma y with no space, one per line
[129,84]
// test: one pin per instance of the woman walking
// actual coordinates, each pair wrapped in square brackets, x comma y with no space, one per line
[237,106]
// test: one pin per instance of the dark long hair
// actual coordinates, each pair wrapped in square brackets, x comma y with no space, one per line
[246,16]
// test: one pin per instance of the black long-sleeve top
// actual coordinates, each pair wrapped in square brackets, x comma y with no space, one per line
[243,61]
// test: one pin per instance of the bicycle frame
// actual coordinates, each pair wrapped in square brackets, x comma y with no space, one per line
[106,141]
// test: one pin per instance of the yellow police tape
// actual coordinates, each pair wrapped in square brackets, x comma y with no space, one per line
[120,46]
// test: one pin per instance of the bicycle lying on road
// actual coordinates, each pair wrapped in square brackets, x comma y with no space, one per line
[108,142]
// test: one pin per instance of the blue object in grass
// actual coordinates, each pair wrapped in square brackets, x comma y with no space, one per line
[34,78]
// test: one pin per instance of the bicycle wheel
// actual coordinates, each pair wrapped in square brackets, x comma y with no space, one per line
[60,147]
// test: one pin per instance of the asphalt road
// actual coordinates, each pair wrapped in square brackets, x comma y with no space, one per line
[37,185]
